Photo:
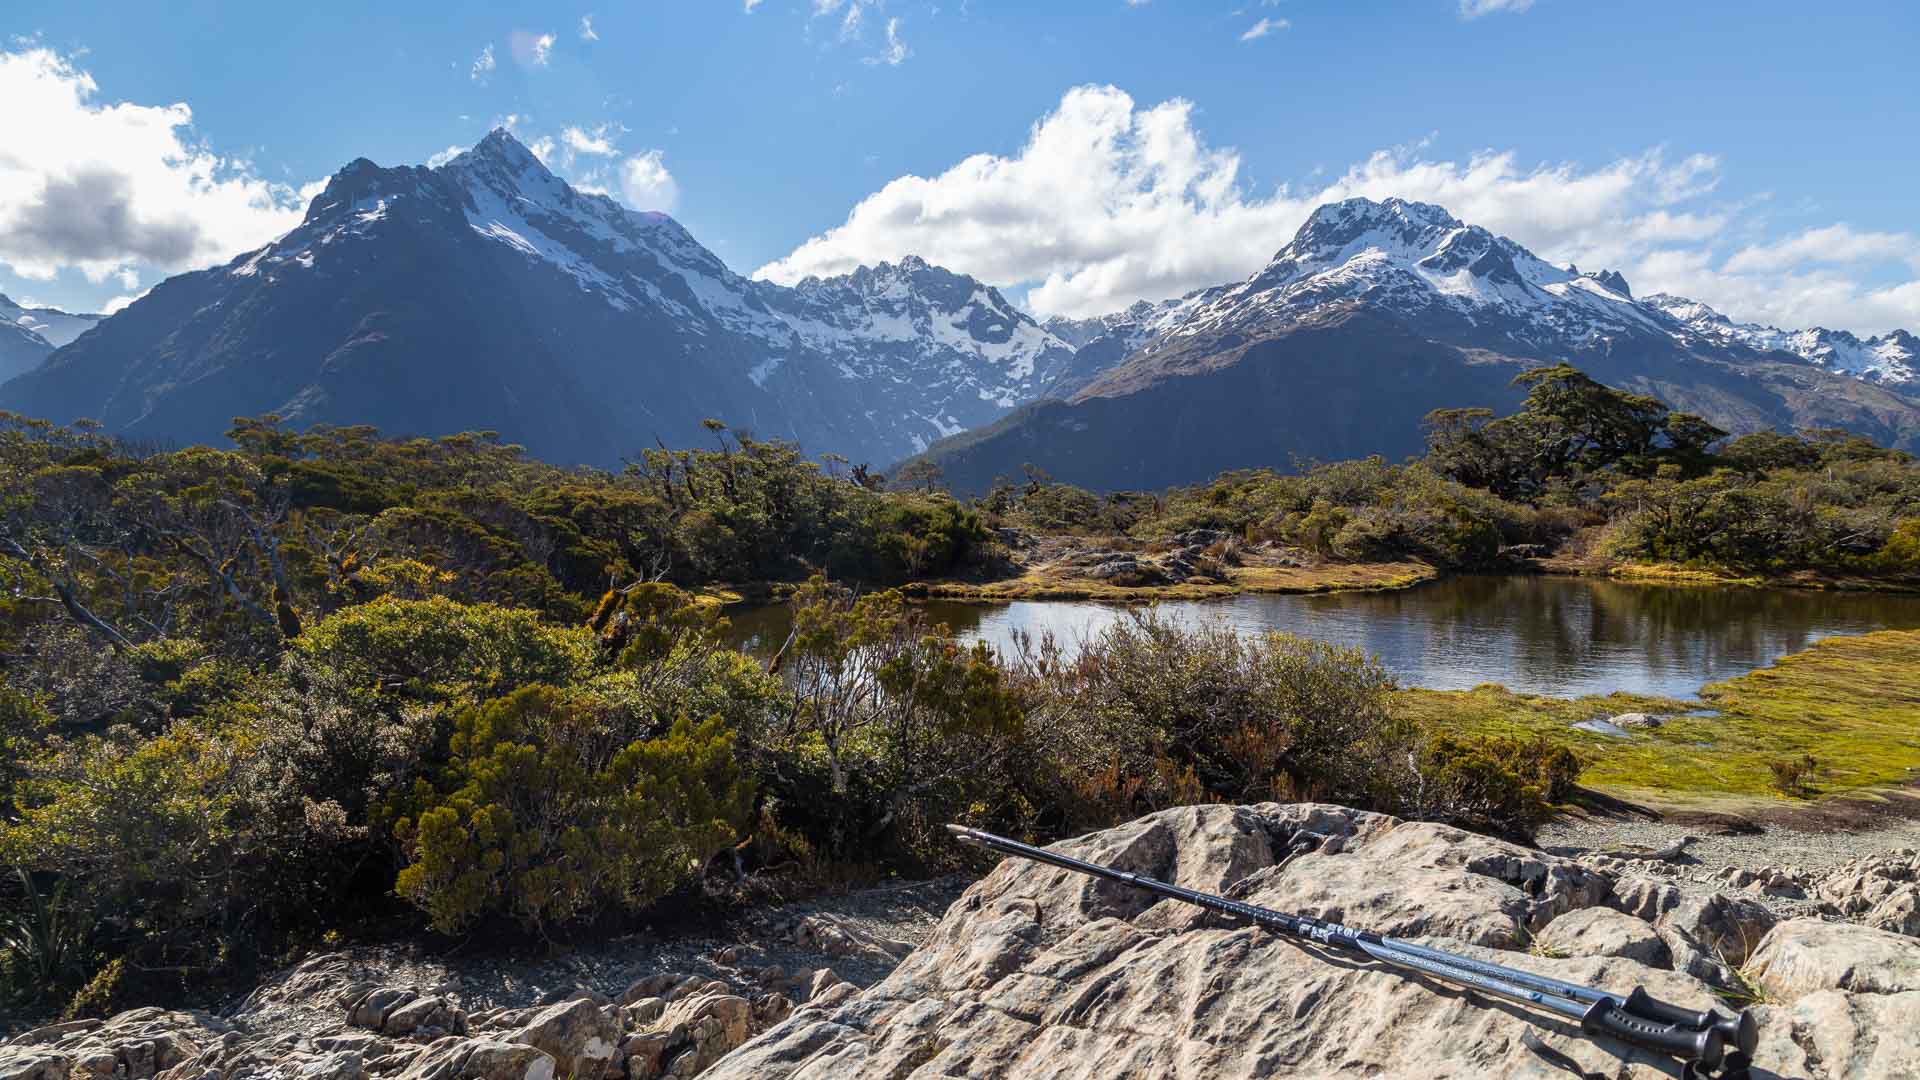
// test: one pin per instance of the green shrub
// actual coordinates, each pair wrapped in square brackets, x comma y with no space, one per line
[44,937]
[1493,783]
[1251,716]
[549,810]
[103,995]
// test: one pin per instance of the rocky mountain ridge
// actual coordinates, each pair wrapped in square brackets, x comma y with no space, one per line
[489,293]
[1377,312]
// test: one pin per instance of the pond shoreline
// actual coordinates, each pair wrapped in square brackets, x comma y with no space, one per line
[1325,578]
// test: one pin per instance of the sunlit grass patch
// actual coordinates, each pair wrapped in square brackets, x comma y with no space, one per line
[1852,703]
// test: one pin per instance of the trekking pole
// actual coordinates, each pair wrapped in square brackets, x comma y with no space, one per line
[1637,1019]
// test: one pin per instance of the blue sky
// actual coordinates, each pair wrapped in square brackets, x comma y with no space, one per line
[1759,156]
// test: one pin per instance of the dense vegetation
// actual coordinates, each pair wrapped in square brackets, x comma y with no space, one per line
[326,684]
[1618,475]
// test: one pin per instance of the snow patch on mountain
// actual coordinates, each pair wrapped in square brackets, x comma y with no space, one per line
[51,325]
[1460,282]
[1418,261]
[1891,359]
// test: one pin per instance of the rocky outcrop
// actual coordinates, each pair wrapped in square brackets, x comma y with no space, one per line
[134,1045]
[667,1025]
[1039,972]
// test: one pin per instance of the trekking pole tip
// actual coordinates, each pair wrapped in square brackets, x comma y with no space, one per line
[963,833]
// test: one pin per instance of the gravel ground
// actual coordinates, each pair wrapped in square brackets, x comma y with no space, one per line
[1775,845]
[1723,841]
[480,978]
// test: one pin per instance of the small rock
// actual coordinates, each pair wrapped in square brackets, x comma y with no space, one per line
[1899,913]
[1599,931]
[1802,956]
[577,1034]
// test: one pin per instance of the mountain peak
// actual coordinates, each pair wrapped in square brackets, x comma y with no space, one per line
[500,145]
[1393,208]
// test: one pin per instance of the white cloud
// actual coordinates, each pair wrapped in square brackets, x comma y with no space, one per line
[530,49]
[1263,28]
[1473,9]
[598,142]
[121,301]
[441,157]
[482,65]
[543,148]
[647,184]
[751,4]
[104,187]
[586,29]
[1109,202]
[1833,244]
[896,51]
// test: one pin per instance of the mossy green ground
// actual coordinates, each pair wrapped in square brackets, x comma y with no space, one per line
[1852,702]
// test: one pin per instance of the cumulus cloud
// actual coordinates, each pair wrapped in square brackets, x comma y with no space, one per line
[1109,202]
[103,188]
[1473,9]
[646,183]
[1263,28]
[441,157]
[482,65]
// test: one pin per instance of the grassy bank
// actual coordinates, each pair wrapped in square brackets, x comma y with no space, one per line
[1672,574]
[1852,703]
[1045,583]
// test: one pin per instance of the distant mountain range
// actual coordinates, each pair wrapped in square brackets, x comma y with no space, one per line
[1377,312]
[28,335]
[487,293]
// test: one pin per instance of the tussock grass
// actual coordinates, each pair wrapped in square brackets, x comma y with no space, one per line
[1852,702]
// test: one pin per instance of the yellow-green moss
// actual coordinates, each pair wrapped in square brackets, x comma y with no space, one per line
[1674,574]
[1853,703]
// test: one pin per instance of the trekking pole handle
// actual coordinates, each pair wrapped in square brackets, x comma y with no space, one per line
[1707,1046]
[1739,1031]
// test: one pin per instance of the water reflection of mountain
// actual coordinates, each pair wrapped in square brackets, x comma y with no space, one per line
[1551,635]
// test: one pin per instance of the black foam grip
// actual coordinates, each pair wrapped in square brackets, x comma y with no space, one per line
[1738,1031]
[1704,1045]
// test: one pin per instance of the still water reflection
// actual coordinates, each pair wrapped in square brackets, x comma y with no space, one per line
[1542,635]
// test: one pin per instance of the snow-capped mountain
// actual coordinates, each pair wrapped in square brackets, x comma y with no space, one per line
[29,334]
[958,353]
[1102,342]
[1892,359]
[1461,282]
[488,293]
[1375,313]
